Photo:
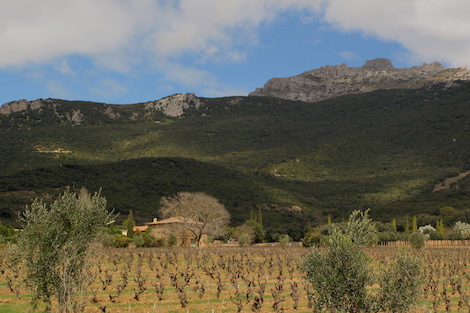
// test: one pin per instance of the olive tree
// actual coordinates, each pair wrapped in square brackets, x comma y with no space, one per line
[56,244]
[360,228]
[199,213]
[339,275]
[342,275]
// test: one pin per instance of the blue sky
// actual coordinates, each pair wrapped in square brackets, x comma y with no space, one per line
[128,51]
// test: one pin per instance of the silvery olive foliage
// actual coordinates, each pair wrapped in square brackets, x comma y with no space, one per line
[57,246]
[359,228]
[426,231]
[462,228]
[342,273]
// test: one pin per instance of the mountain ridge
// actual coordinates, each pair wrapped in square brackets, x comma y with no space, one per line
[339,80]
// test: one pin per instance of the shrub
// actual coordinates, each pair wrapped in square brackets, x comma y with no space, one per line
[151,241]
[121,241]
[340,275]
[244,240]
[115,241]
[325,230]
[311,239]
[108,240]
[138,239]
[387,236]
[7,233]
[417,240]
[400,284]
[147,240]
[284,240]
[435,236]
[172,240]
[258,230]
[245,231]
[455,236]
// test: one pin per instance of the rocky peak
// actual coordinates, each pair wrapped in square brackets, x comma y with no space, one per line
[337,80]
[174,105]
[378,64]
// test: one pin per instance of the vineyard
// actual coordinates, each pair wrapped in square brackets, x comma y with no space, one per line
[230,280]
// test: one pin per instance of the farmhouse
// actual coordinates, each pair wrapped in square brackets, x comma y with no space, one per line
[173,225]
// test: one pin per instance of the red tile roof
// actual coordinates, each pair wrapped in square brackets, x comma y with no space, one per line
[140,228]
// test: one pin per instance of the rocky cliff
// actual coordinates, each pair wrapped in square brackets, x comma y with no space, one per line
[338,80]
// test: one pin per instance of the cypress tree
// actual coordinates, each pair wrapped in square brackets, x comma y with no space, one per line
[394,225]
[407,226]
[130,224]
[440,227]
[260,217]
[415,224]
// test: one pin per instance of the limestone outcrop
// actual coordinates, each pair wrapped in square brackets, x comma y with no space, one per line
[174,105]
[338,80]
[23,105]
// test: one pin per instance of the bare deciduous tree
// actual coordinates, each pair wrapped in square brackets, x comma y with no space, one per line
[200,213]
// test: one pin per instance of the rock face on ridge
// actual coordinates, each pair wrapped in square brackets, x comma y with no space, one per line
[338,80]
[79,112]
[74,116]
[174,105]
[23,105]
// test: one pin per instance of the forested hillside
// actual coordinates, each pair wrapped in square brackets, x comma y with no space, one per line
[298,161]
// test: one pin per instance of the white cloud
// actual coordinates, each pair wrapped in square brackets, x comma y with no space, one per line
[349,55]
[64,68]
[121,34]
[430,29]
[56,89]
[37,31]
[192,77]
[109,88]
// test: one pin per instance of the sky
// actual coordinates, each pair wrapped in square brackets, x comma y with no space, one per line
[130,51]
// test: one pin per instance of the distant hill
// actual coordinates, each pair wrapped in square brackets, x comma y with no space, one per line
[297,161]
